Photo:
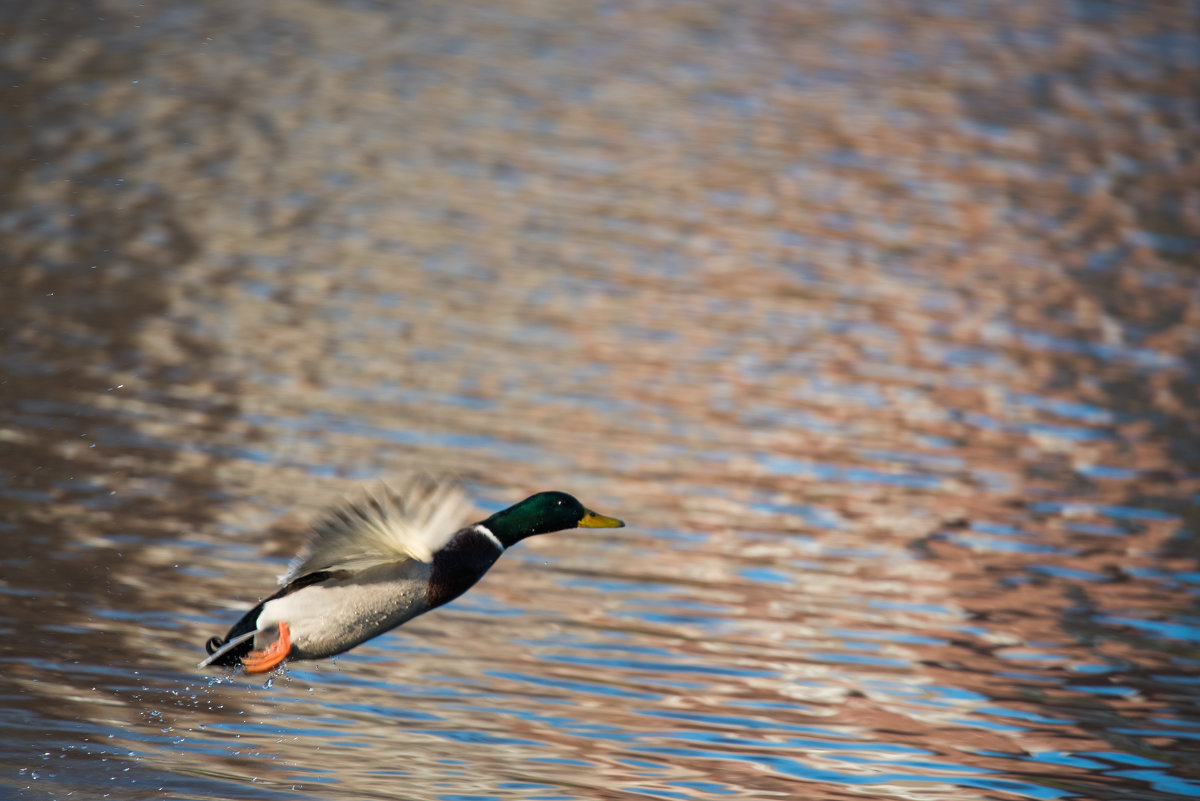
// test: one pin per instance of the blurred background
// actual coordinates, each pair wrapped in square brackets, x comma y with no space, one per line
[876,321]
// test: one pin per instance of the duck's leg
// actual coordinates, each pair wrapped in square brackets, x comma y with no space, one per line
[272,655]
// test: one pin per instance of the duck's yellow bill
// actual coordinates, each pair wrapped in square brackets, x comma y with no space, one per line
[592,520]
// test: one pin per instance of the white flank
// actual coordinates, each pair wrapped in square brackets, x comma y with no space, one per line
[389,526]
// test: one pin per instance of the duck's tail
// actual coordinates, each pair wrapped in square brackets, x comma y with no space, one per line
[226,652]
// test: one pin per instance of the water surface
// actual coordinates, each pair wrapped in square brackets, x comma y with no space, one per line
[876,322]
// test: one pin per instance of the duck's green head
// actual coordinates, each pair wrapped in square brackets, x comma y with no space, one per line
[543,513]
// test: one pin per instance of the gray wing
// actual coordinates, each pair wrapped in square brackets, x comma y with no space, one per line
[385,527]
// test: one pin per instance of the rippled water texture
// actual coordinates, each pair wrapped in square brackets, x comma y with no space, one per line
[877,322]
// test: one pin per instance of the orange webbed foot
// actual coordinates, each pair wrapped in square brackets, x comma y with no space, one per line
[272,655]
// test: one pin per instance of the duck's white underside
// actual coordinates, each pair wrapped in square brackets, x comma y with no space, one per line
[328,618]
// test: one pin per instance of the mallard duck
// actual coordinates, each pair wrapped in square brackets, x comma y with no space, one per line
[377,563]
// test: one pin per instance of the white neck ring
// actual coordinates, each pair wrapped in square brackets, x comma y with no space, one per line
[485,531]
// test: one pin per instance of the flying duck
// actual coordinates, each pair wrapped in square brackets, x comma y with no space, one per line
[379,562]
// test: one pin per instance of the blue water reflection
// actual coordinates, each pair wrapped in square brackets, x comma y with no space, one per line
[874,321]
